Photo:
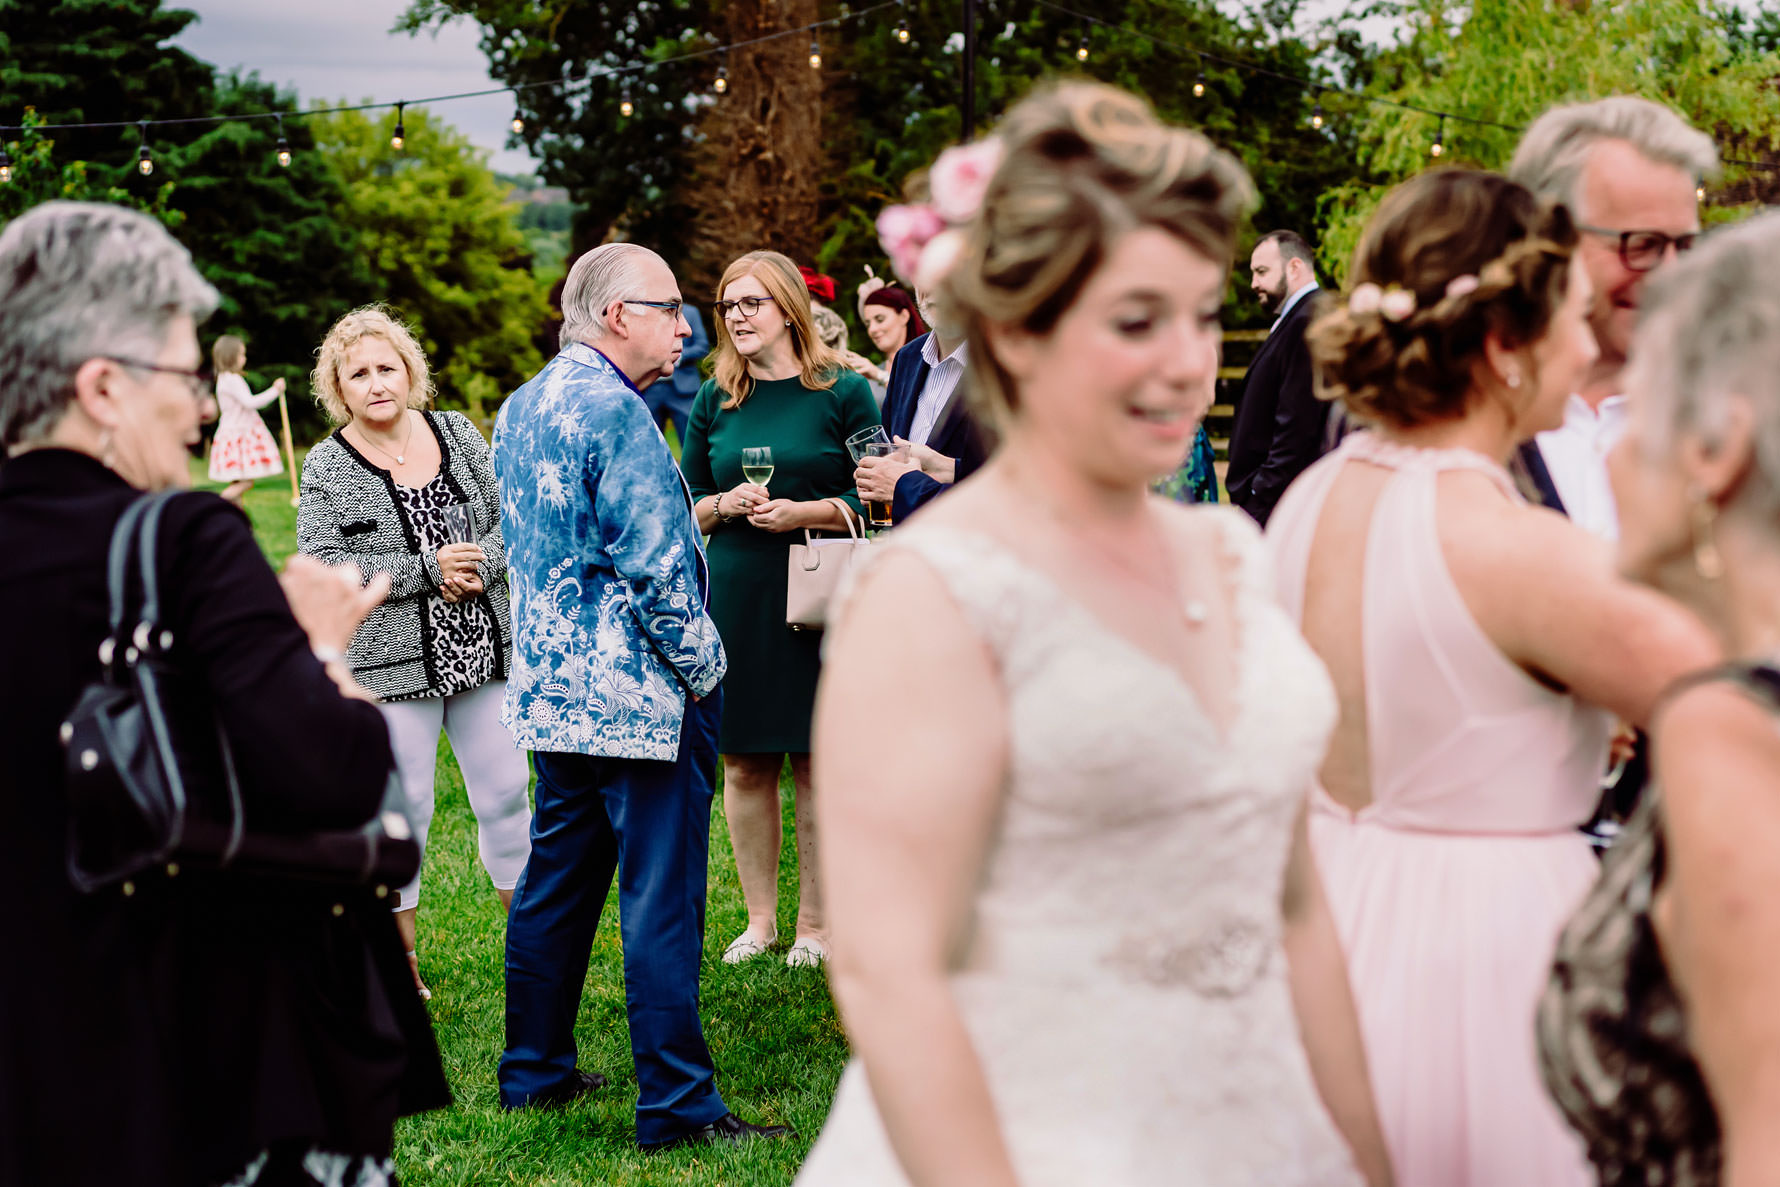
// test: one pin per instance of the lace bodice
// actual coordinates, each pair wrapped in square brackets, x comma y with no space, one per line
[1123,979]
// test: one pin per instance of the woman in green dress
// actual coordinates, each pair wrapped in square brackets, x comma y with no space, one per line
[776,387]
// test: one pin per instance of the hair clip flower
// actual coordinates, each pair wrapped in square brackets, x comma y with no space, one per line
[1461,286]
[905,231]
[959,179]
[1364,299]
[1397,304]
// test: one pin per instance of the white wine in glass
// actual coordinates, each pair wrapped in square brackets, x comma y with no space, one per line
[757,465]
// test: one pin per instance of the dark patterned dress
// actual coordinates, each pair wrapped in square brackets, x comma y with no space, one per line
[460,634]
[1612,1029]
[1197,481]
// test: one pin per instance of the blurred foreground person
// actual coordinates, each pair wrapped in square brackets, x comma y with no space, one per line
[203,1028]
[1077,935]
[1658,1028]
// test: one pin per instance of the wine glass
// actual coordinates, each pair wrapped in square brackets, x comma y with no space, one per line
[757,464]
[460,525]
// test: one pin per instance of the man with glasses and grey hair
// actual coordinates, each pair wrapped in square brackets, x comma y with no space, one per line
[1629,170]
[614,689]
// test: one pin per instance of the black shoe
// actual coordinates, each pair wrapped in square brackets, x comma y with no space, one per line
[578,1085]
[727,1128]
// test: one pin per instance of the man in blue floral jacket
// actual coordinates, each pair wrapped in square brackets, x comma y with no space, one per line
[614,688]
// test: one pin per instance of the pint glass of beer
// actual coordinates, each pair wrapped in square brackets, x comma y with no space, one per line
[873,442]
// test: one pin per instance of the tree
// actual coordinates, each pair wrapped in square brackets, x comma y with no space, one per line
[1507,61]
[443,247]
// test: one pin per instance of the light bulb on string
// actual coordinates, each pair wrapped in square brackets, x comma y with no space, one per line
[1699,193]
[1316,116]
[1081,50]
[400,138]
[145,161]
[902,31]
[518,124]
[1438,148]
[1199,86]
[5,167]
[722,83]
[283,146]
[815,53]
[625,107]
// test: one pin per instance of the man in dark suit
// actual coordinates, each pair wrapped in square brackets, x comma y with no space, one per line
[1279,421]
[670,399]
[925,406]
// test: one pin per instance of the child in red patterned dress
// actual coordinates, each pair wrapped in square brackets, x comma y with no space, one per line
[244,449]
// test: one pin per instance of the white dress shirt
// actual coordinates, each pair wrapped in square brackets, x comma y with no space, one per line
[943,377]
[1576,455]
[1293,300]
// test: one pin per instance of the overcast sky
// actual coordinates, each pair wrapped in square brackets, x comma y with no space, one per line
[343,50]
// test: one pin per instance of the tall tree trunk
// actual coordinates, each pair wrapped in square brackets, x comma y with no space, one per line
[760,162]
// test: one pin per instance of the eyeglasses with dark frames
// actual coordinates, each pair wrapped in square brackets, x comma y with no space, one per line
[194,380]
[749,306]
[673,307]
[1641,251]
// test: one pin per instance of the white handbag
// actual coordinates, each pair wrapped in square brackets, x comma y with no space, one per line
[815,569]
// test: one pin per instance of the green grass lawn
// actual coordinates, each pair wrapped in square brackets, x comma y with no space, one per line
[772,1029]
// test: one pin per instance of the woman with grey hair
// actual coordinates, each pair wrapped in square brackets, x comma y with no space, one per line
[1657,1030]
[204,1027]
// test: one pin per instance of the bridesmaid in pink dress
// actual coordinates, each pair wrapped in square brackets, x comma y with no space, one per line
[1480,647]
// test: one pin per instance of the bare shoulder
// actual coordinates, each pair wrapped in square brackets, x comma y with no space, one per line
[1485,535]
[1714,726]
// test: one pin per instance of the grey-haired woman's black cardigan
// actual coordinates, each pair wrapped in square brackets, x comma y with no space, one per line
[349,511]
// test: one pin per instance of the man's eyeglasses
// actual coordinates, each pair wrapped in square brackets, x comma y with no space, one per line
[749,306]
[673,307]
[1640,251]
[194,381]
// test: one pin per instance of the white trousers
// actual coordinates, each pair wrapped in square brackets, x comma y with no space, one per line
[495,776]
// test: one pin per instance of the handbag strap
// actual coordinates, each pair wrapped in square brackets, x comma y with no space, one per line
[117,574]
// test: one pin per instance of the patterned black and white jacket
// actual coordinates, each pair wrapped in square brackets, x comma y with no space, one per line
[349,511]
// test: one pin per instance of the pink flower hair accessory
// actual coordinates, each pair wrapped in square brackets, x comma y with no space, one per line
[1397,304]
[1364,299]
[1462,286]
[904,232]
[959,179]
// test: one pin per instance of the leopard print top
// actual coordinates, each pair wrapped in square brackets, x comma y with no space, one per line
[461,634]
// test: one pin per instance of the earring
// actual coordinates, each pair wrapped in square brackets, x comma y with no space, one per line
[1706,557]
[787,321]
[1514,379]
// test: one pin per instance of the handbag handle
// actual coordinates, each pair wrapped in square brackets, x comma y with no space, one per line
[141,525]
[847,518]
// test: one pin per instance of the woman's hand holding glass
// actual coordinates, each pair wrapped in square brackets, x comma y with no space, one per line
[457,567]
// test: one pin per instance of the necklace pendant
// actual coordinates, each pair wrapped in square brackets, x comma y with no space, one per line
[1196,613]
[400,460]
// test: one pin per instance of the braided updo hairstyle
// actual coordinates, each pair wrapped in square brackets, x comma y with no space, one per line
[1081,165]
[1427,233]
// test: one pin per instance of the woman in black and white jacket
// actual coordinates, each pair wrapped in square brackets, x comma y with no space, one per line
[382,492]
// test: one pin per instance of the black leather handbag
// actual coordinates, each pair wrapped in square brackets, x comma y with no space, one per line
[150,773]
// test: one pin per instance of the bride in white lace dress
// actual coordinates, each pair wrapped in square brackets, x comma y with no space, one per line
[1065,735]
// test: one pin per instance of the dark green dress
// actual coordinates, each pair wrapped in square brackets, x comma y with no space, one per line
[770,690]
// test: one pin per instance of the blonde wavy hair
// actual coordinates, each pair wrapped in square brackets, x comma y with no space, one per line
[820,365]
[372,321]
[1081,165]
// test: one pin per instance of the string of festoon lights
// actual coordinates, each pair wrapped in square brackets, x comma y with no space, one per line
[1315,90]
[1437,147]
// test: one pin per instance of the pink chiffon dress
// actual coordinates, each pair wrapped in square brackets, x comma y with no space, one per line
[1449,889]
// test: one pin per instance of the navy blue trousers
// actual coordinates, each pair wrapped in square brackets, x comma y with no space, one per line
[650,822]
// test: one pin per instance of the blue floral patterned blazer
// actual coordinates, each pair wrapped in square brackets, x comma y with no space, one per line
[606,569]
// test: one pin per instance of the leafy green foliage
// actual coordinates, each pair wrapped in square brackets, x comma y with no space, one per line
[1510,60]
[442,243]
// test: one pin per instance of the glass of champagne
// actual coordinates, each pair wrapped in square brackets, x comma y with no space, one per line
[757,465]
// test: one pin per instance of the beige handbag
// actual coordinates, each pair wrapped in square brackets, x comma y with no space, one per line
[815,569]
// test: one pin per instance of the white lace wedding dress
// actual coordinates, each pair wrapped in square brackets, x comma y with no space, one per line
[1124,984]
